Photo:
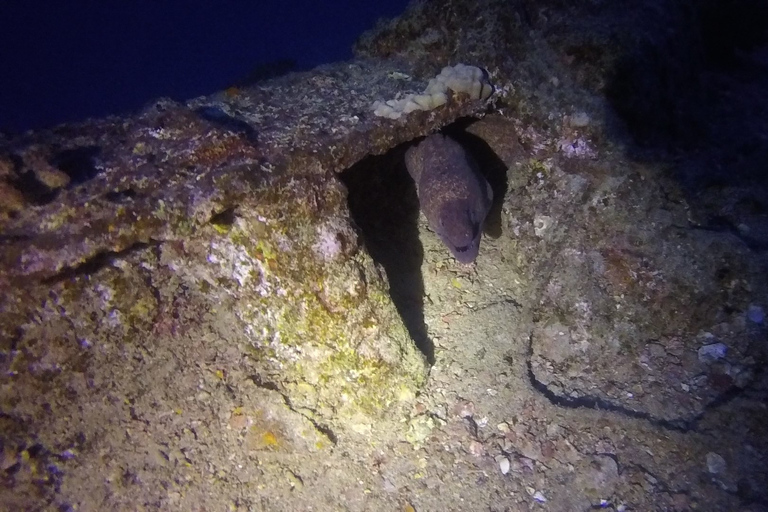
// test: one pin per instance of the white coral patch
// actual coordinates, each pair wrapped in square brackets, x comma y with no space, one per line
[576,148]
[541,224]
[460,78]
[327,243]
[105,293]
[237,264]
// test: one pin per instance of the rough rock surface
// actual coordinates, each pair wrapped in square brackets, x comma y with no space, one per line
[195,316]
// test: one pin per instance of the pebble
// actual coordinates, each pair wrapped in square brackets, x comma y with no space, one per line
[715,463]
[539,496]
[504,465]
[712,352]
[756,314]
[579,120]
[541,224]
[476,448]
[66,455]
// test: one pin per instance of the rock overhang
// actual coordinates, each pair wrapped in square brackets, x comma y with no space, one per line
[306,123]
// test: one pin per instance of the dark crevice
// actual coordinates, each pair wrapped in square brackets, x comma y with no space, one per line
[272,386]
[504,301]
[723,398]
[78,163]
[264,384]
[383,203]
[597,403]
[384,206]
[32,189]
[472,427]
[224,218]
[120,196]
[224,120]
[323,429]
[96,263]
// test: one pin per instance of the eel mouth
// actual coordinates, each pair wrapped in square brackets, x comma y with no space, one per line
[464,248]
[466,253]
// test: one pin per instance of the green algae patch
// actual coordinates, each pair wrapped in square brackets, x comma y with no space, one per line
[314,307]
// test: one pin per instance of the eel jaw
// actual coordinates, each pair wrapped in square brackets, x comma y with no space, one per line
[459,231]
[467,253]
[464,250]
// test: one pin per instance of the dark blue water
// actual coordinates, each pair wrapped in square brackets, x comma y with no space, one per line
[64,61]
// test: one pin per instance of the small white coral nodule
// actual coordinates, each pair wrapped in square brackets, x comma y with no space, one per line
[460,78]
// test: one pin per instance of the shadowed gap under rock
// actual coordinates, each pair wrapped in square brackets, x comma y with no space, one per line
[490,166]
[383,203]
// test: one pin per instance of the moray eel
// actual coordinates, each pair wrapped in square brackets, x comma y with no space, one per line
[453,195]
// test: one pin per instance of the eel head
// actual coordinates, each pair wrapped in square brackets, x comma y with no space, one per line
[459,228]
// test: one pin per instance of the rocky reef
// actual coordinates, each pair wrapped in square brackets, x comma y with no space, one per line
[232,303]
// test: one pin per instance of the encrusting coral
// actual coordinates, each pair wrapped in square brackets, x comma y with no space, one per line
[460,78]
